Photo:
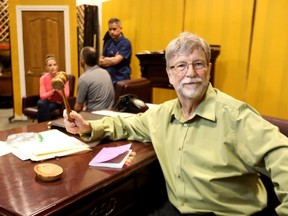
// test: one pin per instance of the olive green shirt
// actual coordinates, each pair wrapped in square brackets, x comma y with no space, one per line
[211,161]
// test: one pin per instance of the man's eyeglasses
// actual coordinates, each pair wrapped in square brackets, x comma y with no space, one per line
[182,67]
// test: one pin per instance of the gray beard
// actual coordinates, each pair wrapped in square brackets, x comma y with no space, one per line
[197,94]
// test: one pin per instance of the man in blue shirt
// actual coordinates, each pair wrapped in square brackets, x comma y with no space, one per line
[117,53]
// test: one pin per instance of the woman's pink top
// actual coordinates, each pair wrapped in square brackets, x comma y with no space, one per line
[46,89]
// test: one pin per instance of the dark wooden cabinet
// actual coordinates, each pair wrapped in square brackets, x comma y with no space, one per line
[137,194]
[6,91]
[153,67]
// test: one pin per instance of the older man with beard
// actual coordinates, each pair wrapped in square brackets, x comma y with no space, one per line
[211,147]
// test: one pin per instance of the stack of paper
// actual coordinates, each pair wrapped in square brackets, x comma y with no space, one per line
[114,157]
[53,143]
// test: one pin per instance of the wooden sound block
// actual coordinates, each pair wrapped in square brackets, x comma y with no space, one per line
[48,171]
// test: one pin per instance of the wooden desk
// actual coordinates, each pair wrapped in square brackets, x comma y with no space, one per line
[153,67]
[82,190]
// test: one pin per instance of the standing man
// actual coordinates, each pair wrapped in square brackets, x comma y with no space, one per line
[117,53]
[95,88]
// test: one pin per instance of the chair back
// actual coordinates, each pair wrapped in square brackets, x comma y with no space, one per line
[282,124]
[273,201]
[141,87]
[71,79]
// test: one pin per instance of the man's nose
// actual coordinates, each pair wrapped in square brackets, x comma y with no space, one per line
[190,70]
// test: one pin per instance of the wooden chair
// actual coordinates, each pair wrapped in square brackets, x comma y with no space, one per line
[29,103]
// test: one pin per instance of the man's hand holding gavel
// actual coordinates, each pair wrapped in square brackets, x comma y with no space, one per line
[58,83]
[78,123]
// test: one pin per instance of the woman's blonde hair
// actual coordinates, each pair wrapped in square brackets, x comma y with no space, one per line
[49,57]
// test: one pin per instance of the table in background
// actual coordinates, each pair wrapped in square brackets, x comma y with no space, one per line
[82,190]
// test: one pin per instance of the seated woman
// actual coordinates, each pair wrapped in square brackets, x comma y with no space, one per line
[50,99]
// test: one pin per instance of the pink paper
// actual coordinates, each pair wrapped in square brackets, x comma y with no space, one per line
[108,153]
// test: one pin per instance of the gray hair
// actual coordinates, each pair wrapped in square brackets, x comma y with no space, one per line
[185,44]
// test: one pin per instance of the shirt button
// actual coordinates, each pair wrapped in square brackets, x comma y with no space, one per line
[179,176]
[185,125]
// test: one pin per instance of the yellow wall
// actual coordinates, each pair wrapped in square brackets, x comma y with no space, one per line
[14,46]
[268,73]
[225,23]
[247,75]
[149,25]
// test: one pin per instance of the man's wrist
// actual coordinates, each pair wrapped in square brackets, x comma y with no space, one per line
[86,128]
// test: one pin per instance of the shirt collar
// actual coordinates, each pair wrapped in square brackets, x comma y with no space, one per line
[89,68]
[206,108]
[118,40]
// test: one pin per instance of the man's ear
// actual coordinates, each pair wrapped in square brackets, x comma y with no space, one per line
[170,75]
[209,71]
[82,63]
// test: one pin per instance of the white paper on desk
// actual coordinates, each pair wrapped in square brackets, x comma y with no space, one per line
[16,152]
[54,144]
[113,113]
[4,148]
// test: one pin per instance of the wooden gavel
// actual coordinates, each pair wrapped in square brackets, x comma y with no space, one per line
[58,82]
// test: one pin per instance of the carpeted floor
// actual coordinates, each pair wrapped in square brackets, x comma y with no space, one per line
[5,113]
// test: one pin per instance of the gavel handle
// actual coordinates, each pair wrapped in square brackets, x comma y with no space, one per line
[67,106]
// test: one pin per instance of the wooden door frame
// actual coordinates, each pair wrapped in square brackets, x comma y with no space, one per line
[19,10]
